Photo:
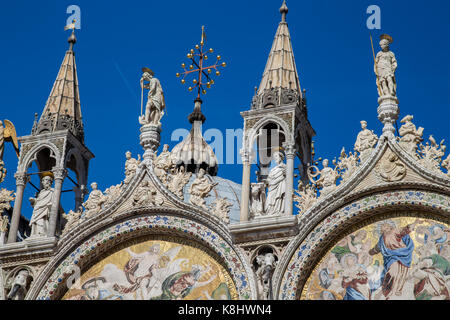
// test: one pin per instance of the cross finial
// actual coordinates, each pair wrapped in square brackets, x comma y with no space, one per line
[284,11]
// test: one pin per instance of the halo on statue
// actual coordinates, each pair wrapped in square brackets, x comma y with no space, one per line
[387,37]
[47,174]
[145,69]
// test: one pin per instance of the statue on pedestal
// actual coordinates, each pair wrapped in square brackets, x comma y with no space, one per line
[154,110]
[385,67]
[95,201]
[365,142]
[276,182]
[410,136]
[41,207]
[200,189]
[131,166]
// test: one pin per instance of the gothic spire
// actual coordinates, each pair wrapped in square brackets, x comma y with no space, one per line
[280,83]
[62,110]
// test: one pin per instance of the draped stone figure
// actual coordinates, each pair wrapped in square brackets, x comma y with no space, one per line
[385,67]
[41,208]
[365,142]
[200,189]
[95,201]
[410,136]
[276,186]
[178,181]
[163,164]
[19,287]
[327,180]
[131,166]
[155,103]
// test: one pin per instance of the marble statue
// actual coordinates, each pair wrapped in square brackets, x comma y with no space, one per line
[258,199]
[179,181]
[144,195]
[3,229]
[276,189]
[155,103]
[391,169]
[95,201]
[385,67]
[41,208]
[131,166]
[327,180]
[163,164]
[266,266]
[410,136]
[19,287]
[200,188]
[221,209]
[365,141]
[112,193]
[347,165]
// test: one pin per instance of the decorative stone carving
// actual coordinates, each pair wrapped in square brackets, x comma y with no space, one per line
[155,103]
[2,171]
[144,195]
[365,142]
[385,67]
[20,285]
[276,190]
[73,218]
[131,166]
[305,197]
[112,193]
[327,180]
[391,168]
[200,189]
[446,165]
[410,136]
[163,164]
[266,266]
[8,134]
[432,154]
[42,205]
[347,165]
[94,203]
[179,181]
[257,199]
[3,229]
[221,208]
[5,198]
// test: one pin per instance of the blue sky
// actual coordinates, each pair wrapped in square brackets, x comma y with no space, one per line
[117,38]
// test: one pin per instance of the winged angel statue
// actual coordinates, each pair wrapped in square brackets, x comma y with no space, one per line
[7,134]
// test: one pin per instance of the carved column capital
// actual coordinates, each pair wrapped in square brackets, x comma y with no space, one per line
[59,173]
[289,150]
[21,178]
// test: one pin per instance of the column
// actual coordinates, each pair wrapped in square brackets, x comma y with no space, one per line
[21,181]
[290,156]
[245,195]
[60,174]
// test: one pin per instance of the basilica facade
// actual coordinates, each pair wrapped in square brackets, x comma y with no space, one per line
[372,225]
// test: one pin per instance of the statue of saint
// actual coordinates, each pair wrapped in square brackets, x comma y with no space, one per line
[365,141]
[95,201]
[155,103]
[200,189]
[410,136]
[163,163]
[276,186]
[41,207]
[257,199]
[385,67]
[328,178]
[131,166]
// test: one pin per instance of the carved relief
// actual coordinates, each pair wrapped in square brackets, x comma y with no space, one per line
[200,189]
[144,195]
[221,208]
[178,181]
[390,168]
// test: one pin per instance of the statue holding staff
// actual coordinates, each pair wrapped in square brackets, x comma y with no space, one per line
[154,109]
[385,67]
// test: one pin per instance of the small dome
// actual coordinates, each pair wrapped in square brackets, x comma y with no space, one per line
[225,189]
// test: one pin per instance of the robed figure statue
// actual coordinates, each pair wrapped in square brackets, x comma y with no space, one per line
[154,110]
[41,208]
[276,186]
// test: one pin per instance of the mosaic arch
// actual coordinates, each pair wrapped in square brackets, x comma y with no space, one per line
[206,264]
[160,268]
[398,208]
[403,258]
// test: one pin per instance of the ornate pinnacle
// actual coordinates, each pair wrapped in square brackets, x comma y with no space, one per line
[284,11]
